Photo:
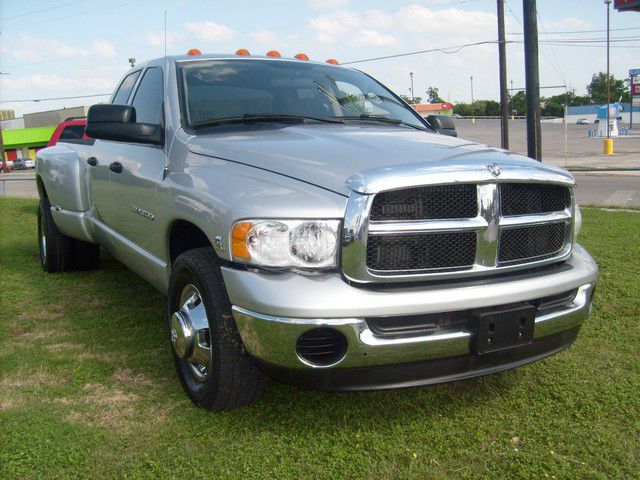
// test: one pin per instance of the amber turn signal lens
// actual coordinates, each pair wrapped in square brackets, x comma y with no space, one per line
[239,240]
[194,51]
[242,51]
[273,53]
[302,56]
[333,61]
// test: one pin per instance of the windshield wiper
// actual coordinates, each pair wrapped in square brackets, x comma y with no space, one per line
[262,117]
[380,118]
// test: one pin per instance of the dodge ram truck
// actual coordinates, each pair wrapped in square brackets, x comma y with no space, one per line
[308,225]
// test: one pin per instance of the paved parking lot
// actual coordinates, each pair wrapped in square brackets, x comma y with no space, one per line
[581,150]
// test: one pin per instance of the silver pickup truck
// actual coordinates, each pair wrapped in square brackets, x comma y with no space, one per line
[307,225]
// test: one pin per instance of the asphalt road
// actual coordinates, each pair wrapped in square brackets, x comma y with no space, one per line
[620,190]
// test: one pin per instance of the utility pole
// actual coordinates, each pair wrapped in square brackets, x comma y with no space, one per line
[608,143]
[413,97]
[534,137]
[504,97]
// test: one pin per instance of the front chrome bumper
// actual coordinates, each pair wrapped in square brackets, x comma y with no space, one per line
[271,337]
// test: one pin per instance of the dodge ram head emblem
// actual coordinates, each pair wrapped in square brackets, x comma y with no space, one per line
[494,169]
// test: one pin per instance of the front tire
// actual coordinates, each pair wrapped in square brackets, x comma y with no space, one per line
[214,369]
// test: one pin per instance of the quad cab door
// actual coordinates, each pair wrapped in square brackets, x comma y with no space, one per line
[135,169]
[99,175]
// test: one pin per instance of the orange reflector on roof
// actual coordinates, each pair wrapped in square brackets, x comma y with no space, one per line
[302,56]
[273,53]
[242,51]
[333,61]
[194,51]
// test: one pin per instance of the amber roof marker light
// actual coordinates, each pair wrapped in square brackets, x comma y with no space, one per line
[302,56]
[194,51]
[243,51]
[274,54]
[333,61]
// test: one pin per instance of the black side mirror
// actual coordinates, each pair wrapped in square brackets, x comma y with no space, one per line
[118,123]
[444,124]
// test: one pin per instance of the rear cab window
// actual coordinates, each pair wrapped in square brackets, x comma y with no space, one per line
[72,132]
[124,90]
[149,97]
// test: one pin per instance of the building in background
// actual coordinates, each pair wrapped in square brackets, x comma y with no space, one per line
[23,137]
[427,109]
[7,114]
[53,117]
[590,112]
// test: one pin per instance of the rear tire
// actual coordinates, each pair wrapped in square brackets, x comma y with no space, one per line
[56,249]
[59,253]
[227,377]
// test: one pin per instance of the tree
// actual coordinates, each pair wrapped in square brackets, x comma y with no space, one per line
[408,99]
[598,89]
[433,95]
[518,103]
[462,109]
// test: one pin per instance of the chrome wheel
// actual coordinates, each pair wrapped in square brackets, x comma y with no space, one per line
[43,240]
[190,333]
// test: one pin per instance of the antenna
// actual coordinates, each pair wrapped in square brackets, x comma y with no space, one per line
[165,33]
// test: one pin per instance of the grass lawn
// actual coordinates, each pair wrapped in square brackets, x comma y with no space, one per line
[88,389]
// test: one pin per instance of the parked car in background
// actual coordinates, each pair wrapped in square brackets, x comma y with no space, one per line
[306,224]
[72,129]
[582,121]
[8,165]
[23,164]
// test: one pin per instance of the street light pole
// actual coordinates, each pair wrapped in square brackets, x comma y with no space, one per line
[413,97]
[473,110]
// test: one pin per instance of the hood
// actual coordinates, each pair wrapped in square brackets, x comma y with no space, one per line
[341,158]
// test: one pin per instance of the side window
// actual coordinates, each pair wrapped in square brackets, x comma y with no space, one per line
[124,90]
[72,132]
[149,97]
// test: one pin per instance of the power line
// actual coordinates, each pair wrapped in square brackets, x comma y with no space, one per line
[56,98]
[76,14]
[454,49]
[579,31]
[41,10]
[444,3]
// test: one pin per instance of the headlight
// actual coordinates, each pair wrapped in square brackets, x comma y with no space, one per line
[577,226]
[309,244]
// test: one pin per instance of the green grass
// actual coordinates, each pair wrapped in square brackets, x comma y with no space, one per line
[88,389]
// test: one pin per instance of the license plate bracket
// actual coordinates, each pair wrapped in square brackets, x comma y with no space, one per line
[503,329]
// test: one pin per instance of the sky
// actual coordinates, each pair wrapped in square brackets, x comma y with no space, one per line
[81,47]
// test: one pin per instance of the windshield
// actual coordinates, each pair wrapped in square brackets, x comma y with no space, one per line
[228,89]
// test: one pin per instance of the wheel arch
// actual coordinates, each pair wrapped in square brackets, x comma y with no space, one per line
[42,191]
[184,235]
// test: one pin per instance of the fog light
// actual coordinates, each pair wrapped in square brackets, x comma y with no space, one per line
[321,347]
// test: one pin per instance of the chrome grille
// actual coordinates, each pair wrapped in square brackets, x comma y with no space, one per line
[531,198]
[426,203]
[424,251]
[429,232]
[531,243]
